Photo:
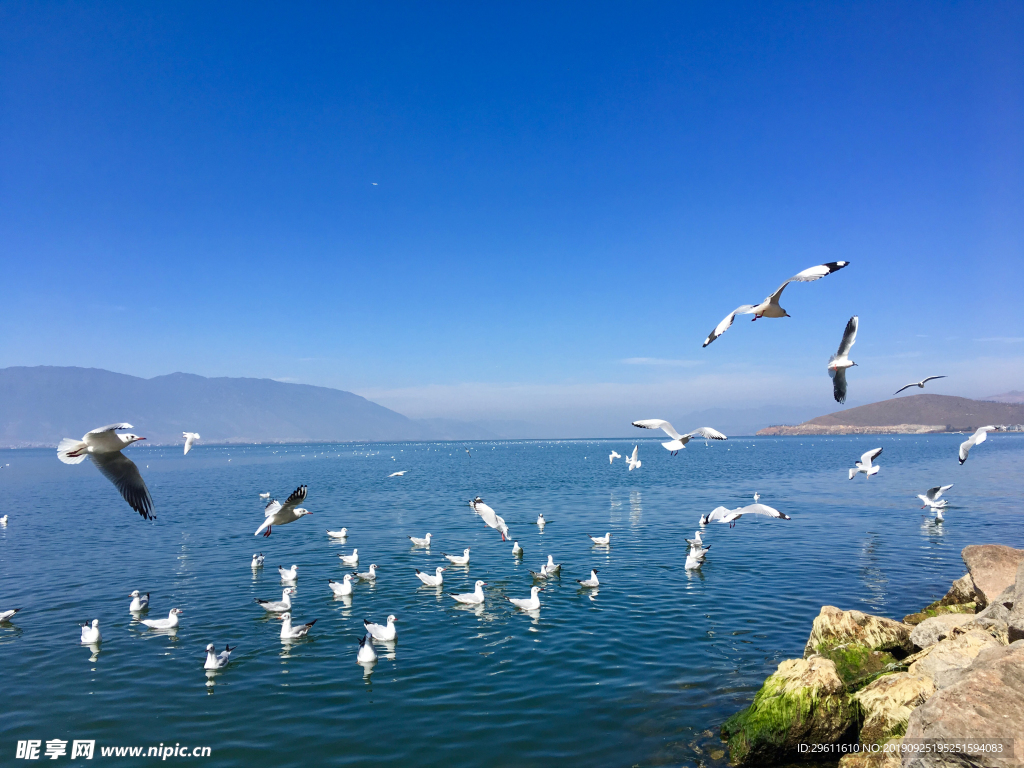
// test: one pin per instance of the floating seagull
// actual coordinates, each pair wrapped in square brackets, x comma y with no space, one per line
[840,361]
[288,574]
[757,497]
[693,562]
[517,551]
[342,534]
[215,660]
[282,514]
[418,542]
[471,598]
[6,615]
[366,653]
[543,573]
[288,632]
[169,623]
[613,456]
[931,496]
[602,541]
[531,603]
[370,575]
[278,606]
[552,568]
[398,474]
[3,520]
[431,581]
[343,587]
[865,465]
[920,384]
[490,517]
[770,306]
[730,516]
[592,581]
[352,559]
[541,521]
[462,559]
[632,461]
[257,560]
[190,437]
[91,634]
[977,438]
[699,552]
[103,446]
[265,495]
[140,602]
[678,441]
[696,541]
[378,632]
[938,515]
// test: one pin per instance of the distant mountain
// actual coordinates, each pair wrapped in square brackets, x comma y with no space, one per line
[913,414]
[1014,396]
[43,404]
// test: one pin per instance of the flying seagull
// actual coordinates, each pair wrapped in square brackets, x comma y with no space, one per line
[103,445]
[977,438]
[613,456]
[770,306]
[277,513]
[490,517]
[632,461]
[865,465]
[730,516]
[920,384]
[190,437]
[840,361]
[679,441]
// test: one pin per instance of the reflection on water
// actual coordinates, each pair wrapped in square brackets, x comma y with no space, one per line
[873,572]
[635,510]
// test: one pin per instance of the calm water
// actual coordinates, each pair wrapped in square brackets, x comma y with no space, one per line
[634,673]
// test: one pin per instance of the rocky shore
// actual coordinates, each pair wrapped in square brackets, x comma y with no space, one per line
[953,671]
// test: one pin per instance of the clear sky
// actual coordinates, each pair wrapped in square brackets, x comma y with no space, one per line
[522,211]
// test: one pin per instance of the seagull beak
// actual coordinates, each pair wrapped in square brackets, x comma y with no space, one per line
[140,438]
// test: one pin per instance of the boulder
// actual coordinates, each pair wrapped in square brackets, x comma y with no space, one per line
[1015,619]
[992,567]
[886,704]
[961,592]
[803,702]
[955,652]
[984,702]
[935,609]
[872,760]
[931,631]
[834,627]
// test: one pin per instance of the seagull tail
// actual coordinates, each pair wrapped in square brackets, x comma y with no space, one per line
[72,451]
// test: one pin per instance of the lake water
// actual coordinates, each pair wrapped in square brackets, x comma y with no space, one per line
[634,673]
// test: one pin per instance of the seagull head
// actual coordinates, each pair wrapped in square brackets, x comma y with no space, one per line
[177,611]
[210,648]
[299,512]
[283,616]
[480,583]
[135,593]
[391,619]
[129,439]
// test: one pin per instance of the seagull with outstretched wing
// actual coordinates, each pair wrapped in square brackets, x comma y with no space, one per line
[840,361]
[865,466]
[190,438]
[931,496]
[678,441]
[103,445]
[920,384]
[730,516]
[277,513]
[979,437]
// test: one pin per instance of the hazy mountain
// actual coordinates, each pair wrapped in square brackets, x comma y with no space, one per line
[1014,396]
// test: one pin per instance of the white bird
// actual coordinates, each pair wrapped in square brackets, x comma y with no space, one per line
[462,559]
[288,632]
[517,551]
[979,437]
[418,542]
[840,361]
[378,632]
[257,560]
[6,615]
[169,623]
[370,575]
[698,552]
[552,567]
[103,446]
[531,603]
[938,515]
[3,520]
[693,562]
[541,521]
[757,497]
[602,541]
[930,498]
[277,513]
[91,634]
[398,474]
[678,441]
[288,574]
[543,574]
[770,306]
[920,384]
[343,587]
[613,456]
[216,660]
[265,495]
[366,653]
[696,541]
[140,602]
[490,517]
[632,461]
[471,598]
[865,465]
[352,559]
[342,534]
[592,581]
[190,438]
[730,516]
[278,606]
[431,581]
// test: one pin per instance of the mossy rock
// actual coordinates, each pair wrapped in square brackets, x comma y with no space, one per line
[937,609]
[857,665]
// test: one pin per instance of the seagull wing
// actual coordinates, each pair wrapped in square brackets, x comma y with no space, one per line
[839,384]
[122,472]
[296,498]
[661,424]
[108,428]
[937,491]
[707,433]
[762,509]
[870,456]
[809,275]
[633,457]
[718,514]
[930,378]
[723,326]
[849,337]
[272,508]
[902,388]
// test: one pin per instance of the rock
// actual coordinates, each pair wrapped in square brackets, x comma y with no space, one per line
[1015,619]
[961,592]
[873,760]
[955,652]
[992,567]
[886,704]
[833,627]
[931,631]
[984,702]
[937,609]
[804,702]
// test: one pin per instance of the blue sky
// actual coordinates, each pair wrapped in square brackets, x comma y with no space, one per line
[521,211]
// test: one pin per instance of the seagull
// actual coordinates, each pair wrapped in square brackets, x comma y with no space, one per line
[920,384]
[698,552]
[431,581]
[723,515]
[840,361]
[288,632]
[288,574]
[696,541]
[531,603]
[215,660]
[592,581]
[352,559]
[931,496]
[693,562]
[3,520]
[342,534]
[377,632]
[517,551]
[343,587]
[979,437]
[398,474]
[865,465]
[91,634]
[602,541]
[541,521]
[140,602]
[632,461]
[103,445]
[169,623]
[6,615]
[544,574]
[265,495]
[757,497]
[938,515]
[471,598]
[190,437]
[257,560]
[282,514]
[552,568]
[462,559]
[613,456]
[418,542]
[275,606]
[370,575]
[366,653]
[490,517]
[678,441]
[770,306]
